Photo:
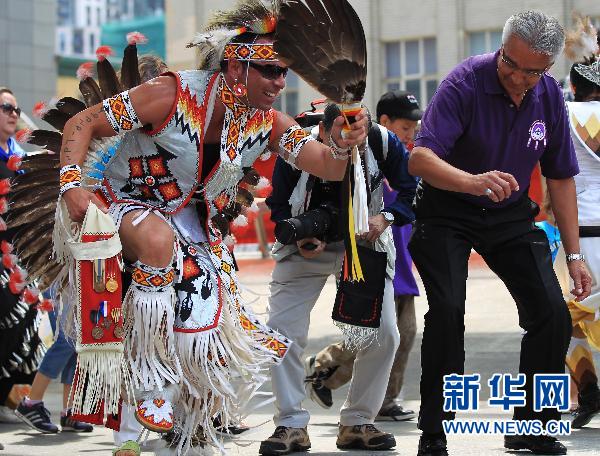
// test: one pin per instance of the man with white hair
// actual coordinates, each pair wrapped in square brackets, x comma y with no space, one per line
[491,120]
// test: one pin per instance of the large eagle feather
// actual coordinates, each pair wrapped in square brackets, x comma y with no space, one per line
[323,41]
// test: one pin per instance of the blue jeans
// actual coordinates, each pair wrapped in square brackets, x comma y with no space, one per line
[61,356]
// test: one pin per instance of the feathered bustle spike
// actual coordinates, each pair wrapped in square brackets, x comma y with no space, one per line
[130,72]
[43,161]
[102,52]
[136,38]
[2,224]
[22,136]
[85,70]
[581,43]
[39,109]
[50,140]
[14,163]
[6,247]
[107,77]
[3,205]
[323,41]
[4,186]
[9,260]
[70,106]
[90,91]
[31,295]
[56,118]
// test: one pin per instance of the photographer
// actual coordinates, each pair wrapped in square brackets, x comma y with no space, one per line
[315,252]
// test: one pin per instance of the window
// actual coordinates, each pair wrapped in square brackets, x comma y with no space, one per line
[98,17]
[483,42]
[78,42]
[288,100]
[412,65]
[88,15]
[62,43]
[92,43]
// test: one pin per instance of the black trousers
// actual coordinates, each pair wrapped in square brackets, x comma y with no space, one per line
[446,229]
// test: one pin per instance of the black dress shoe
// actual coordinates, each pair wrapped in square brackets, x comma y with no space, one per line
[537,444]
[432,445]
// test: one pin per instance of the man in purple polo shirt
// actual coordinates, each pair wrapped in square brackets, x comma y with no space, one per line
[491,120]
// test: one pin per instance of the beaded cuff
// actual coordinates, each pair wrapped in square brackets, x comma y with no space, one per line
[120,113]
[70,177]
[292,140]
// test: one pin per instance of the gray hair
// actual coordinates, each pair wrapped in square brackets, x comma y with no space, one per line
[542,33]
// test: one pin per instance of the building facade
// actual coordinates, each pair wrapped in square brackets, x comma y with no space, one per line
[27,64]
[410,46]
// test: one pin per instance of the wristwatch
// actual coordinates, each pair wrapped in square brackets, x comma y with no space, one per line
[575,256]
[388,216]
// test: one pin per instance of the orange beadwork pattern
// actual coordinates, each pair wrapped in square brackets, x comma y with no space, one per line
[71,175]
[293,139]
[120,112]
[250,52]
[147,279]
[152,419]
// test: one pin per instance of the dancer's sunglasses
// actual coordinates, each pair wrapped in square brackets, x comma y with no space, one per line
[7,108]
[269,71]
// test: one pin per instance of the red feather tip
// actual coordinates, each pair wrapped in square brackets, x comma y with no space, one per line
[31,295]
[23,135]
[16,287]
[14,163]
[6,247]
[39,109]
[85,70]
[103,51]
[9,260]
[3,205]
[2,224]
[4,186]
[136,38]
[46,305]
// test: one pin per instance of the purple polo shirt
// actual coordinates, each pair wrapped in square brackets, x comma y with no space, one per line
[472,124]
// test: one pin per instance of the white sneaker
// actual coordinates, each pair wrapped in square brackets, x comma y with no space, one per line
[7,415]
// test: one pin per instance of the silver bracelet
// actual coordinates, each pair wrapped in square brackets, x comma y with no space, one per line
[575,256]
[337,152]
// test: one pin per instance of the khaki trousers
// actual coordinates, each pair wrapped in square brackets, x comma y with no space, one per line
[295,287]
[336,355]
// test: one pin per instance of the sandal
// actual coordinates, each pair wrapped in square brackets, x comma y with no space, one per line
[131,446]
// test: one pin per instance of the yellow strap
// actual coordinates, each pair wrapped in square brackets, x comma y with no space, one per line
[356,269]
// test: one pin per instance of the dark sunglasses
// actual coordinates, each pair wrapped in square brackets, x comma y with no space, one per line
[7,108]
[269,71]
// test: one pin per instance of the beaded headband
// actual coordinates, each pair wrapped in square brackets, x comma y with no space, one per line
[250,52]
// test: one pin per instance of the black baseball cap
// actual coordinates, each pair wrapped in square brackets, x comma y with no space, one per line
[399,104]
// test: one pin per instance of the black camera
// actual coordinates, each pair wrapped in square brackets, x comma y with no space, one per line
[321,223]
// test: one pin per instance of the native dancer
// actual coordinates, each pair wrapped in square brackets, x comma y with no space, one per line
[171,170]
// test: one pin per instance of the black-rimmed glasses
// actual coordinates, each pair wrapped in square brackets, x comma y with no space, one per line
[269,71]
[513,66]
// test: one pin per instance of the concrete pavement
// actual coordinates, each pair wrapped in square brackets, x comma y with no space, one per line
[492,343]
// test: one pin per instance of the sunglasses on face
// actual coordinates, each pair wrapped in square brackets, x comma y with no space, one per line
[7,109]
[269,71]
[513,66]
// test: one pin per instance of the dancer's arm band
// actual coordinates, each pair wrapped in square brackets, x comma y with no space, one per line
[70,177]
[120,113]
[292,140]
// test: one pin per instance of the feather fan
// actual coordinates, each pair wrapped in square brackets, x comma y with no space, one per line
[581,43]
[323,41]
[70,106]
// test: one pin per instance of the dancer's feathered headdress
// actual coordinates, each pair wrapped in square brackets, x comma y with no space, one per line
[254,16]
[582,45]
[323,41]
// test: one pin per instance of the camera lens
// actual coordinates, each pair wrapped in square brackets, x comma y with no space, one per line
[286,231]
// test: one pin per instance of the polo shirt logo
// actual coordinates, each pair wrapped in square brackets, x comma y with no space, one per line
[537,133]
